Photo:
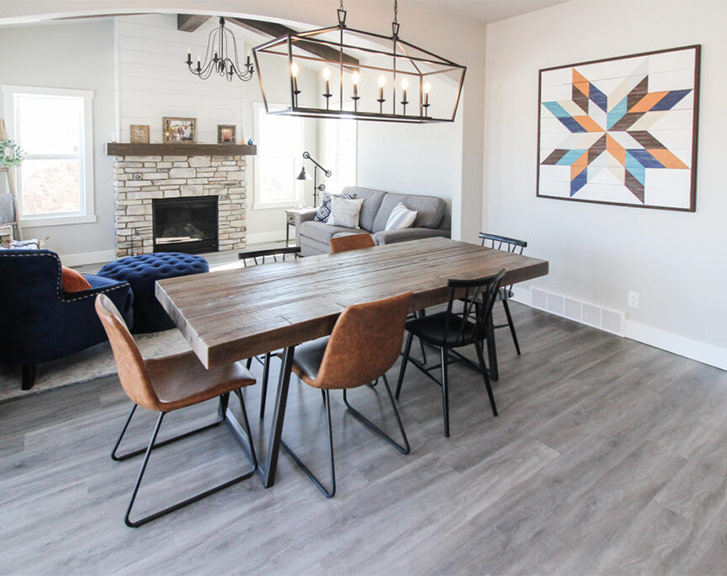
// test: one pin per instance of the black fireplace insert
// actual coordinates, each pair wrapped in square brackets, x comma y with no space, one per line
[185,224]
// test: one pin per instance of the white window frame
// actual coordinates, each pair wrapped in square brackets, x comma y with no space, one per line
[258,203]
[86,213]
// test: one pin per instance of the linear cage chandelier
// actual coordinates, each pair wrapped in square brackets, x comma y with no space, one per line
[220,57]
[341,72]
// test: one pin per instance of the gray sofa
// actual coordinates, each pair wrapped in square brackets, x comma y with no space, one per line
[431,220]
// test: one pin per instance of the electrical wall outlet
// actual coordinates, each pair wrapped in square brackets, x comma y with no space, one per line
[633,299]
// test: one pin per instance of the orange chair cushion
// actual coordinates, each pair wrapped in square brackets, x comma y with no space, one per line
[72,281]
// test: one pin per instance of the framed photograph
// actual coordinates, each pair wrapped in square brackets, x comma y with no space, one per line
[179,129]
[621,130]
[139,134]
[6,236]
[226,133]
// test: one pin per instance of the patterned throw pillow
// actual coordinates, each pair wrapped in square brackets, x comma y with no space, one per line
[345,212]
[324,210]
[400,217]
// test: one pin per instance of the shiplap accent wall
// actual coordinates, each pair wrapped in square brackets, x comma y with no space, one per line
[153,80]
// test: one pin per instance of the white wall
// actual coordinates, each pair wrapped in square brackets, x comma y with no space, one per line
[597,253]
[78,55]
[456,38]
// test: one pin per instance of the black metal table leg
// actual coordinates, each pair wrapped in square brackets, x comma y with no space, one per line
[492,350]
[276,432]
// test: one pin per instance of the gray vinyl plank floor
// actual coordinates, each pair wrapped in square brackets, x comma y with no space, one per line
[608,457]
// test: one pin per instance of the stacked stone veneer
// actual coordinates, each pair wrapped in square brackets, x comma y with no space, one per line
[140,179]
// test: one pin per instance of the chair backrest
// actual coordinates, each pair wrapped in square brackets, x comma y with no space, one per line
[255,257]
[351,242]
[365,342]
[512,245]
[129,363]
[478,297]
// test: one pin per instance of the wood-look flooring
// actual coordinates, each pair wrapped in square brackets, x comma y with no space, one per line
[608,457]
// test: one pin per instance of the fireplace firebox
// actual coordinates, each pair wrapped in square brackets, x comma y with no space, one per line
[185,224]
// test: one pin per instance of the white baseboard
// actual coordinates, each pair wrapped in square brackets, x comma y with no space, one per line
[681,345]
[83,258]
[699,351]
[263,237]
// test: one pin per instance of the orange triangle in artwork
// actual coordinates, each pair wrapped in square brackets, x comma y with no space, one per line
[579,165]
[616,150]
[580,82]
[668,159]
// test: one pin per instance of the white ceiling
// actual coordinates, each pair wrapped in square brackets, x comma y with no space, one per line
[484,10]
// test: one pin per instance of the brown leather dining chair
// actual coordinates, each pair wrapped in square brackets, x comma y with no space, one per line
[351,242]
[166,384]
[364,344]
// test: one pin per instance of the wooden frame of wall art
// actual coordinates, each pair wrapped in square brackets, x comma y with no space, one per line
[139,134]
[621,131]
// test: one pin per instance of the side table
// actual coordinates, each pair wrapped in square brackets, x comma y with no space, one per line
[290,219]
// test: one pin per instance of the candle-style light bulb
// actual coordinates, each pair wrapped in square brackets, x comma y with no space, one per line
[382,83]
[427,89]
[356,77]
[327,77]
[189,55]
[294,72]
[404,86]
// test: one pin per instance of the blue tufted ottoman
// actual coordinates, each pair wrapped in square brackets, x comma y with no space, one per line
[141,272]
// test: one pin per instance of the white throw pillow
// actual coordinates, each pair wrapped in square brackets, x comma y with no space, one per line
[400,217]
[345,212]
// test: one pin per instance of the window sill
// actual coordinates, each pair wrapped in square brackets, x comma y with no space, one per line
[275,205]
[39,222]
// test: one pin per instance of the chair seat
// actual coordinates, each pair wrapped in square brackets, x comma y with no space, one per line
[432,329]
[308,358]
[181,380]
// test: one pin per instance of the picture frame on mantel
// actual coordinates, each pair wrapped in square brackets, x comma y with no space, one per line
[621,131]
[179,129]
[226,133]
[139,134]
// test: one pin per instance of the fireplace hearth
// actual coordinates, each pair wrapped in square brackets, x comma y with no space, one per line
[185,224]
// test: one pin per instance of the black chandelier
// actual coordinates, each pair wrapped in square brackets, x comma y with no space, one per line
[221,57]
[341,72]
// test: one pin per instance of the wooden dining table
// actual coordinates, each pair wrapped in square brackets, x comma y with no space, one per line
[231,315]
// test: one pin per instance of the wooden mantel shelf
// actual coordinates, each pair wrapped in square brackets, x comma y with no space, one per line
[179,149]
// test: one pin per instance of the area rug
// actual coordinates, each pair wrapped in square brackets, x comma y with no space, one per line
[92,363]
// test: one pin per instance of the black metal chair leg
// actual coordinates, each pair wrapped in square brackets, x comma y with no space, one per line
[512,325]
[405,449]
[328,493]
[248,363]
[29,373]
[445,392]
[422,314]
[404,361]
[264,391]
[136,523]
[485,377]
[120,458]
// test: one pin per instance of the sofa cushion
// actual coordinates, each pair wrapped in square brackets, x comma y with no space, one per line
[345,212]
[372,203]
[430,210]
[401,217]
[320,231]
[324,210]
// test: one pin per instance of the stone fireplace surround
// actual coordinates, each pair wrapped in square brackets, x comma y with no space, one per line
[143,172]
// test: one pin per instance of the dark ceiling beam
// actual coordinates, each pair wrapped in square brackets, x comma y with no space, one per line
[276,30]
[190,22]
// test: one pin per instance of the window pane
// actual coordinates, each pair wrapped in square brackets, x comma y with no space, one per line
[50,186]
[49,124]
[277,182]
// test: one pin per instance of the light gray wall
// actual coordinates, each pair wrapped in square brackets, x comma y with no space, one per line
[597,253]
[76,55]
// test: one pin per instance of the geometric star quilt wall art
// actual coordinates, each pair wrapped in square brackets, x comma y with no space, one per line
[621,130]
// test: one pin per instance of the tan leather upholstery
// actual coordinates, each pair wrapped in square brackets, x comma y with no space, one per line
[168,383]
[364,344]
[351,242]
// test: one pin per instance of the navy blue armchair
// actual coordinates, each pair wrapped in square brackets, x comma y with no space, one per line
[38,321]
